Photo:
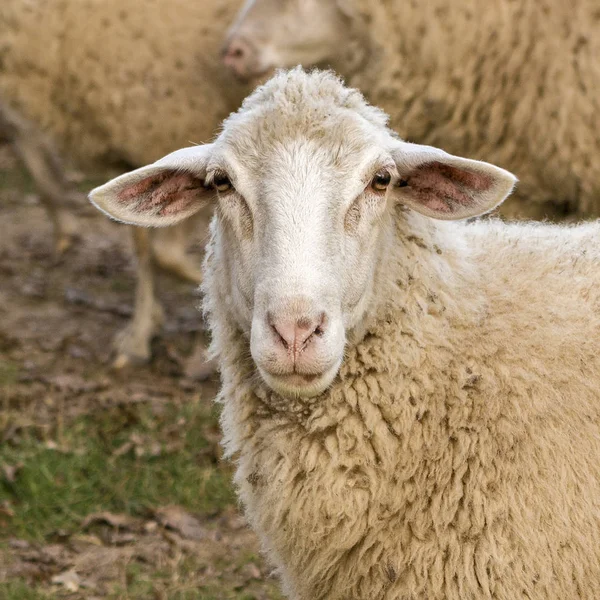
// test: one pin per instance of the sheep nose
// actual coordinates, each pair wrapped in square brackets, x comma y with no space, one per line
[295,333]
[235,54]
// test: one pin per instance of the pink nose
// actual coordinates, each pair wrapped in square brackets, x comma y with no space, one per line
[236,54]
[297,332]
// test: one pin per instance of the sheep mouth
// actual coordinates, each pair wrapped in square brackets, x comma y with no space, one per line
[299,384]
[254,78]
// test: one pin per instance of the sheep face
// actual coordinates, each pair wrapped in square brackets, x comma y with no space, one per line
[306,177]
[284,33]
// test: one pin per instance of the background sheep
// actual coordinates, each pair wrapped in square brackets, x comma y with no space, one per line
[117,82]
[426,420]
[516,83]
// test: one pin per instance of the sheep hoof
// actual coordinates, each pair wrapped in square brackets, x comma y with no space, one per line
[65,242]
[66,234]
[132,347]
[132,344]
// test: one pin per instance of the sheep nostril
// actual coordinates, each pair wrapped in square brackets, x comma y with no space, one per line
[283,341]
[320,328]
[234,52]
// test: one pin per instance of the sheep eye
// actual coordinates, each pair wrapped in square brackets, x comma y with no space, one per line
[381,180]
[222,183]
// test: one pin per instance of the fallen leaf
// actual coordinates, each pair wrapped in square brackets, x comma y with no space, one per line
[118,521]
[123,449]
[10,472]
[68,382]
[150,526]
[19,544]
[121,539]
[6,509]
[251,571]
[69,580]
[83,539]
[176,518]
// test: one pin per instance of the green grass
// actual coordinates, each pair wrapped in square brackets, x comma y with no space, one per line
[56,489]
[17,590]
[9,373]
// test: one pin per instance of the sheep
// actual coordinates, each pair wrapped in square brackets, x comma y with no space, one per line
[101,78]
[412,400]
[515,83]
[43,162]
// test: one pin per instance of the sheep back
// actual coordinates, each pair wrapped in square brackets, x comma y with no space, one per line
[515,83]
[119,80]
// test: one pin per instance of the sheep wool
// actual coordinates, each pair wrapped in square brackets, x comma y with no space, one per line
[513,83]
[118,80]
[456,454]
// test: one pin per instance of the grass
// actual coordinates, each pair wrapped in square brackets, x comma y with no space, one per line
[21,591]
[9,373]
[56,488]
[17,590]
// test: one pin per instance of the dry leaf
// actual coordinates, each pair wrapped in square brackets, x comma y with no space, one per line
[67,382]
[6,509]
[10,472]
[251,571]
[123,449]
[17,544]
[69,580]
[176,518]
[118,521]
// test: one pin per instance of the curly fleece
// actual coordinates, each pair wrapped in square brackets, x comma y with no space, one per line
[457,454]
[119,80]
[513,83]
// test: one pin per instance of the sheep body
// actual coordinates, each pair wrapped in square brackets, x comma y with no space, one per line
[517,84]
[456,454]
[101,76]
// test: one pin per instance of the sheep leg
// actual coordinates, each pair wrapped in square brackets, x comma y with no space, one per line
[133,343]
[42,163]
[169,247]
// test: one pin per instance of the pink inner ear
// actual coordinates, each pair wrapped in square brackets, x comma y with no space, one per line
[166,193]
[442,187]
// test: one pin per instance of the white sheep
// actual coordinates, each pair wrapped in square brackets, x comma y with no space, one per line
[514,83]
[101,78]
[413,402]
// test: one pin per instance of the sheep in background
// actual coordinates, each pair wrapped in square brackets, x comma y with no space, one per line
[123,81]
[43,163]
[514,83]
[412,401]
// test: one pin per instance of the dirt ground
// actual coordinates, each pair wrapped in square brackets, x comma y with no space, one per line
[111,483]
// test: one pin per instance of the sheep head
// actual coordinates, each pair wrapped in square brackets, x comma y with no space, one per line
[304,178]
[269,34]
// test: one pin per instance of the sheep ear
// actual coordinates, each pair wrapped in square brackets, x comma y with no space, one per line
[159,194]
[448,187]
